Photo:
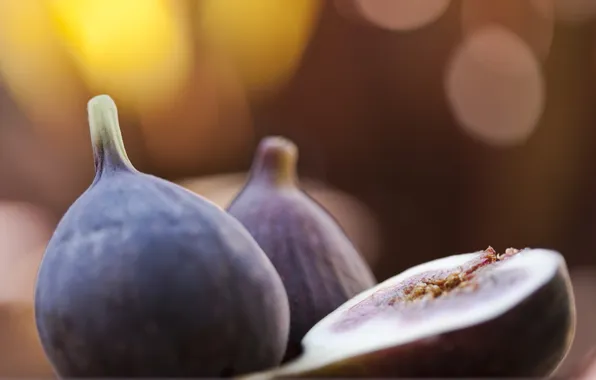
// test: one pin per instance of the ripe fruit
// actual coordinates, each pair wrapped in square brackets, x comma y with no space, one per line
[319,266]
[353,216]
[144,278]
[473,315]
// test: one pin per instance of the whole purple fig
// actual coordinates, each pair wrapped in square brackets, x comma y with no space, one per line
[143,278]
[320,267]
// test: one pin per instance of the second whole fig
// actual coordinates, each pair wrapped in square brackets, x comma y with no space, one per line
[320,268]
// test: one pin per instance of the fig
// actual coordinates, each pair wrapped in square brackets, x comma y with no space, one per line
[319,266]
[143,278]
[479,314]
[357,220]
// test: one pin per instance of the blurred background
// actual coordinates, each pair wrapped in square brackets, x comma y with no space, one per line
[428,128]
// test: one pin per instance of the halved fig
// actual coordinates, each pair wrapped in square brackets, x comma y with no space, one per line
[481,314]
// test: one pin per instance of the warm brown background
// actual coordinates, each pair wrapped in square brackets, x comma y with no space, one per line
[369,111]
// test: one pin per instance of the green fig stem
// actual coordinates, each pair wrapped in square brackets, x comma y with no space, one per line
[109,153]
[275,162]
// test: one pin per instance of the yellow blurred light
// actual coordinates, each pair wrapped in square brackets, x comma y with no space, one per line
[32,64]
[137,50]
[265,39]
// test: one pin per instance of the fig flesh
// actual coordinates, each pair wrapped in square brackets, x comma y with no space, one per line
[471,315]
[143,278]
[319,266]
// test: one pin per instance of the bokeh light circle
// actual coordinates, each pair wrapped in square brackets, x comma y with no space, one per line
[534,26]
[402,14]
[495,87]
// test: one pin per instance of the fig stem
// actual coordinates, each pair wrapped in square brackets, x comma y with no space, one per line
[109,153]
[275,161]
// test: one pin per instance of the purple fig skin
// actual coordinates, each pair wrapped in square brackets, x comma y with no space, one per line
[318,265]
[143,278]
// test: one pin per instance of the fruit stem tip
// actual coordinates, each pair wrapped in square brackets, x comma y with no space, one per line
[106,136]
[276,160]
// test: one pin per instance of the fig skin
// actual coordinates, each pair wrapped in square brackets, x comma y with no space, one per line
[143,278]
[319,266]
[530,339]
